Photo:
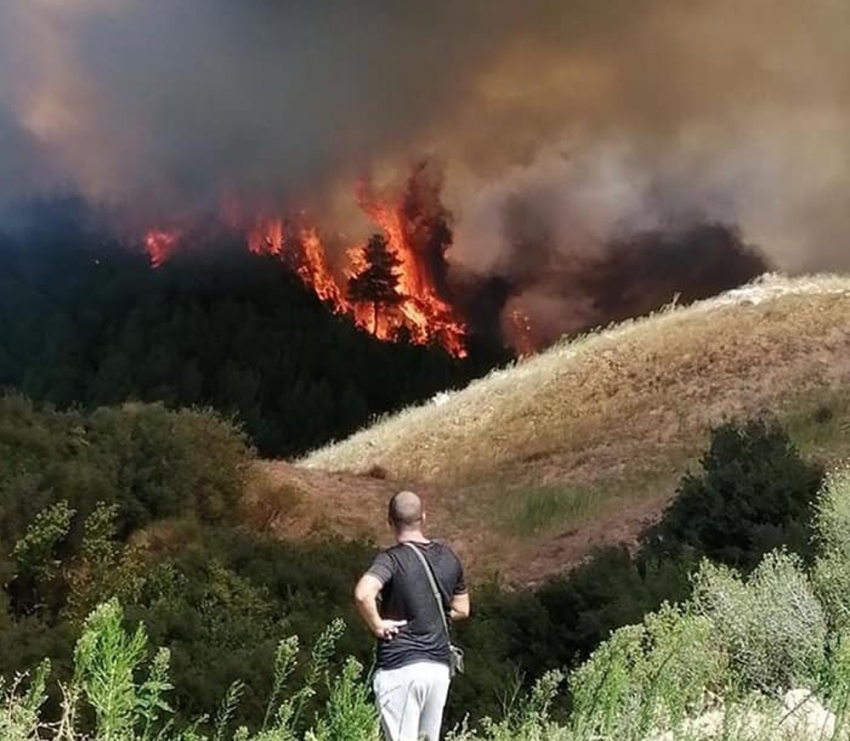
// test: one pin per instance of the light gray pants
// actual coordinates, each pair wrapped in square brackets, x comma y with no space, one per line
[411,700]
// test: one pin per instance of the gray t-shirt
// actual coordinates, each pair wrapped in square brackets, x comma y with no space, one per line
[406,595]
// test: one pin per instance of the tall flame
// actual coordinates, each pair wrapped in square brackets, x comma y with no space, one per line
[419,315]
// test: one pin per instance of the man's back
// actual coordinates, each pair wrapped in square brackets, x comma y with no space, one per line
[397,603]
[406,595]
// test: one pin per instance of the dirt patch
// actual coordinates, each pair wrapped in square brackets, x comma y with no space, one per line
[354,506]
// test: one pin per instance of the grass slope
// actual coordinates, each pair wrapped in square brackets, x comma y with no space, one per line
[529,468]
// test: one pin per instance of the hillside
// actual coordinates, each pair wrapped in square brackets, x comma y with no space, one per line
[529,468]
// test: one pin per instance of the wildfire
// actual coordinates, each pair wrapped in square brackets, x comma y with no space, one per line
[416,238]
[313,270]
[267,238]
[160,244]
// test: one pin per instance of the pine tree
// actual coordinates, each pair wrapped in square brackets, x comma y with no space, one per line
[377,283]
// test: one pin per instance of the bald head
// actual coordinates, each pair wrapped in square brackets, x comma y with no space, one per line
[405,511]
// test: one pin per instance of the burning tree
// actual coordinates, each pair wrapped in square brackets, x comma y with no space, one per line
[377,282]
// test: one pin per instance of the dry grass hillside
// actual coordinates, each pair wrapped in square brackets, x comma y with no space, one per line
[527,469]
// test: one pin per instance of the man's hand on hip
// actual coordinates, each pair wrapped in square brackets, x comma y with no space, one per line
[386,630]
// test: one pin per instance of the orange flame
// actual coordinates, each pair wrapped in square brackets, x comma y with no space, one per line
[160,244]
[420,314]
[314,271]
[267,238]
[425,315]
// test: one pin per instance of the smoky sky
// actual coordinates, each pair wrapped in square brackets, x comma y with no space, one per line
[606,116]
[177,100]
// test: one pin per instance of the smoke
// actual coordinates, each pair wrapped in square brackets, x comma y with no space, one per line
[161,103]
[564,125]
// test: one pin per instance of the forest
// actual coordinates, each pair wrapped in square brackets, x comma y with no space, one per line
[85,320]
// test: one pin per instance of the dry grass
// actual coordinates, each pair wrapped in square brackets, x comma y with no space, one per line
[584,443]
[641,387]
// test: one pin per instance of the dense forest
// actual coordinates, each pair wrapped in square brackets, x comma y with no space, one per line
[85,320]
[143,503]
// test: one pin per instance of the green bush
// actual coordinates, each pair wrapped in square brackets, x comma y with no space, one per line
[167,463]
[754,495]
[117,694]
[772,625]
[832,528]
[150,462]
[648,676]
[217,596]
[710,668]
[220,603]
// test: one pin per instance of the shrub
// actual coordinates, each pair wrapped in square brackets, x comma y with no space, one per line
[349,714]
[117,694]
[832,528]
[19,709]
[167,463]
[149,461]
[525,719]
[647,676]
[217,596]
[772,625]
[753,495]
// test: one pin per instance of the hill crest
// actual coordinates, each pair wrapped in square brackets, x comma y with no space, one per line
[532,466]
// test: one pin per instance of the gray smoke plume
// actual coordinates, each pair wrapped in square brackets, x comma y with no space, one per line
[166,102]
[603,118]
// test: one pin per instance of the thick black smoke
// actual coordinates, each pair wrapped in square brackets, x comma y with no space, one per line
[543,296]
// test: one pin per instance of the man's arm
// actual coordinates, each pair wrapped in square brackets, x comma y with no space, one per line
[366,598]
[460,607]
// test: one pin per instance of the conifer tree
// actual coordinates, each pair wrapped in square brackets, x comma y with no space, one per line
[377,283]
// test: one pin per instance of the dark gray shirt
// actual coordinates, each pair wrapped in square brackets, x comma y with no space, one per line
[406,595]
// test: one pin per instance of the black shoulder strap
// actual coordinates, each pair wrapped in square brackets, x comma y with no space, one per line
[434,588]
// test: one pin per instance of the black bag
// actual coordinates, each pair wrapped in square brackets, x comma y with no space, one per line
[456,655]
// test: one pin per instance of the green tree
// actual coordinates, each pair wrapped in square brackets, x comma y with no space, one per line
[753,495]
[377,283]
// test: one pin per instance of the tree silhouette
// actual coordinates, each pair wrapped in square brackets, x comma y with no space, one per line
[377,283]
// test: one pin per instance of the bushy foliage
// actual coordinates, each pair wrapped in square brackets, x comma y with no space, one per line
[34,554]
[349,714]
[220,608]
[218,596]
[647,683]
[772,625]
[710,668]
[117,694]
[150,462]
[754,492]
[218,605]
[753,495]
[648,676]
[526,718]
[832,568]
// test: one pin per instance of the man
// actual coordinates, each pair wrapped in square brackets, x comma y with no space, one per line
[412,677]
